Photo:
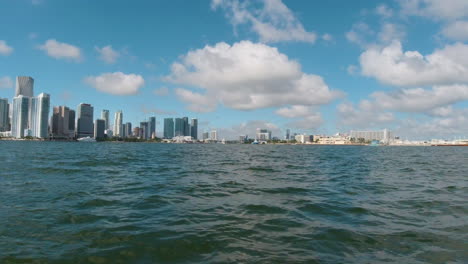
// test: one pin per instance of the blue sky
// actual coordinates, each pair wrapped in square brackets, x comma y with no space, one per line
[311,66]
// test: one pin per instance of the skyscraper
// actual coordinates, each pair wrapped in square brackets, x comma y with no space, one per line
[60,122]
[128,129]
[168,127]
[84,122]
[179,127]
[288,132]
[4,115]
[214,135]
[99,127]
[20,114]
[152,127]
[144,130]
[24,86]
[194,128]
[105,117]
[118,124]
[40,115]
[71,121]
[186,126]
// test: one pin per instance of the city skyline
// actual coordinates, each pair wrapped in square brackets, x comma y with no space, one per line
[384,64]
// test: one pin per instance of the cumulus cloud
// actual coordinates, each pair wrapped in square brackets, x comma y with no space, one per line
[107,54]
[60,50]
[273,21]
[391,32]
[116,83]
[4,48]
[390,65]
[246,76]
[6,82]
[305,117]
[419,99]
[435,9]
[163,91]
[249,128]
[384,11]
[365,116]
[457,30]
[360,34]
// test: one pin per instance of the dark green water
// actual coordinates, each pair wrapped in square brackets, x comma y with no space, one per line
[156,203]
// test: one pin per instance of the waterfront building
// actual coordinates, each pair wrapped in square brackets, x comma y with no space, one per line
[20,115]
[39,115]
[263,134]
[105,117]
[4,115]
[118,120]
[186,129]
[288,132]
[24,86]
[194,128]
[59,124]
[384,136]
[71,121]
[179,127]
[136,132]
[144,130]
[214,135]
[301,139]
[128,129]
[152,127]
[84,122]
[205,136]
[168,128]
[99,128]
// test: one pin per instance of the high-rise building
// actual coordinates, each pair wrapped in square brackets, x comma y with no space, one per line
[186,126]
[263,134]
[194,128]
[39,115]
[385,135]
[128,129]
[179,127]
[99,127]
[60,122]
[214,135]
[24,86]
[71,121]
[4,115]
[288,132]
[144,130]
[136,132]
[152,127]
[84,122]
[118,129]
[19,121]
[105,117]
[206,135]
[168,127]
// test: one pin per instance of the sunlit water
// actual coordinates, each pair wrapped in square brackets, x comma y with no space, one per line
[160,203]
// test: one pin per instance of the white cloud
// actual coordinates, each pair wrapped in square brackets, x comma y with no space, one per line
[246,76]
[420,100]
[294,111]
[365,116]
[107,54]
[248,128]
[435,9]
[116,83]
[457,30]
[360,34]
[4,48]
[163,91]
[6,82]
[273,22]
[390,32]
[327,37]
[384,11]
[390,65]
[60,50]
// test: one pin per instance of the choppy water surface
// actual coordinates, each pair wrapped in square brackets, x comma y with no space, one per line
[157,203]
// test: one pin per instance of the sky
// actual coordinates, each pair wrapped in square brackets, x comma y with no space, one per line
[315,67]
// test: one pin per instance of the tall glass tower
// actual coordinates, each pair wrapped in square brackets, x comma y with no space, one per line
[4,114]
[105,117]
[118,121]
[20,114]
[152,126]
[85,126]
[24,86]
[194,128]
[39,115]
[168,127]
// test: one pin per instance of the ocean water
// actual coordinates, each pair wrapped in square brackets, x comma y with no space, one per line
[167,203]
